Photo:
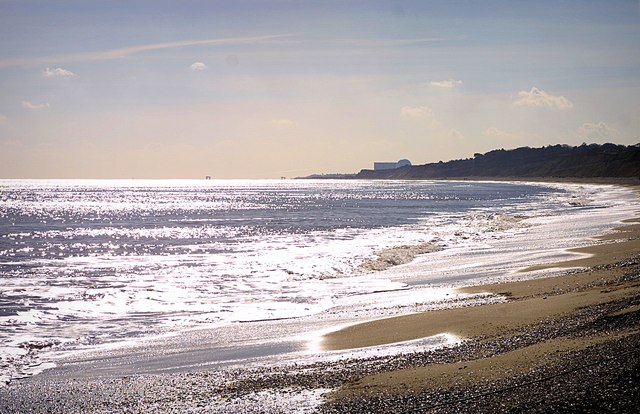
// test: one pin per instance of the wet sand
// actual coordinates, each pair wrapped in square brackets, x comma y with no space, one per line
[594,313]
[529,301]
[568,343]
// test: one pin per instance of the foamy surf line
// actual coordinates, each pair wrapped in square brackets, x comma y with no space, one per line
[541,238]
[473,248]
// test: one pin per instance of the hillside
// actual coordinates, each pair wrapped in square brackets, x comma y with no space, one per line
[559,161]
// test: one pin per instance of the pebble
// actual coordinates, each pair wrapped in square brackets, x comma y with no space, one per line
[599,378]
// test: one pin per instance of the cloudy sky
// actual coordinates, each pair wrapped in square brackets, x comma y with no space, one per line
[270,88]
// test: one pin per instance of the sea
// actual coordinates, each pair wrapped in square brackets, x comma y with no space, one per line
[84,263]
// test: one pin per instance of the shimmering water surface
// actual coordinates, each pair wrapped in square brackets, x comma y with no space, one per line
[83,263]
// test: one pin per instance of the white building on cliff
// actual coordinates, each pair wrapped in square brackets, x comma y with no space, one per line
[390,165]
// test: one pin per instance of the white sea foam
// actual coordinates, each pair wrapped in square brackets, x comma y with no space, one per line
[84,264]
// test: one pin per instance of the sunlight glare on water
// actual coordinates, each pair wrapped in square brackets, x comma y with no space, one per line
[88,262]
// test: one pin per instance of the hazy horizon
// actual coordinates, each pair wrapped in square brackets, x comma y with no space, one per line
[271,88]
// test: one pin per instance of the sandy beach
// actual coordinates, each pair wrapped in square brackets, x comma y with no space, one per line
[594,313]
[529,301]
[319,207]
[557,344]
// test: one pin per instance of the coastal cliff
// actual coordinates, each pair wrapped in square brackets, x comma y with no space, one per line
[558,161]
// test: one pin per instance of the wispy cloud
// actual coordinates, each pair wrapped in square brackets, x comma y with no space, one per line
[3,120]
[57,73]
[455,134]
[422,114]
[397,42]
[132,50]
[417,112]
[494,132]
[597,132]
[283,122]
[539,98]
[33,106]
[446,84]
[198,67]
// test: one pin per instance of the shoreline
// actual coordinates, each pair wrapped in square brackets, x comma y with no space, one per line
[528,300]
[604,286]
[545,325]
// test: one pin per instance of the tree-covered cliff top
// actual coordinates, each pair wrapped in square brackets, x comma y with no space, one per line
[557,161]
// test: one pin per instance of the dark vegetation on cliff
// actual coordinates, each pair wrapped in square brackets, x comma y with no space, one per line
[556,161]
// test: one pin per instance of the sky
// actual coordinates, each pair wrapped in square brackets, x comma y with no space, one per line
[273,88]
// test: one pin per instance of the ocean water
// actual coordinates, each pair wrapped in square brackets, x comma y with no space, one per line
[84,263]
